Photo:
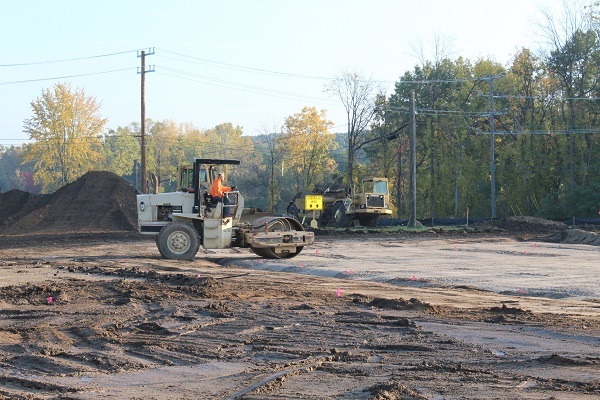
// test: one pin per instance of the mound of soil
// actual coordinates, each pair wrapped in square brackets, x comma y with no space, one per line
[525,224]
[583,237]
[98,201]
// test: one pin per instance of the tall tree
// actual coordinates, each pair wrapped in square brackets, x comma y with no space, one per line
[384,149]
[575,58]
[358,96]
[66,126]
[193,143]
[309,143]
[576,64]
[228,141]
[161,152]
[524,76]
[121,150]
[273,150]
[225,140]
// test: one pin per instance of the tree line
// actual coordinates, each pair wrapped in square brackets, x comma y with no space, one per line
[529,131]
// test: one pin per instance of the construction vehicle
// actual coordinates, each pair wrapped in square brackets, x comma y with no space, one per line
[342,207]
[184,220]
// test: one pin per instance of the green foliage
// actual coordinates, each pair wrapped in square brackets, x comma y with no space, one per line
[228,141]
[570,202]
[162,153]
[553,96]
[272,147]
[121,150]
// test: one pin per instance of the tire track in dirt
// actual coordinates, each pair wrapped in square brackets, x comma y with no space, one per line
[283,336]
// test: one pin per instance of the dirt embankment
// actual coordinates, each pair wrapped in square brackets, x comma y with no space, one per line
[526,224]
[582,237]
[527,228]
[98,201]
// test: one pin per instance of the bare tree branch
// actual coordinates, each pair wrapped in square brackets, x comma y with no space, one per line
[358,96]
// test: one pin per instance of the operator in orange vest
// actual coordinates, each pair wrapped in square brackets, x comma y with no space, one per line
[216,191]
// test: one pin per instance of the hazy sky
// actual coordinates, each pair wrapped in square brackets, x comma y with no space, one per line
[251,63]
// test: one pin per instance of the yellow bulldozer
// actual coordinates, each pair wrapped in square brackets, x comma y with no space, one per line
[343,206]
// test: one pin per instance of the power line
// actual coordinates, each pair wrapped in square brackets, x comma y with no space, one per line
[583,131]
[65,60]
[66,76]
[509,96]
[235,85]
[236,67]
[243,87]
[454,80]
[435,111]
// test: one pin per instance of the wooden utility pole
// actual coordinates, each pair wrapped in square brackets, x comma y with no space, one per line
[143,123]
[412,139]
[142,72]
[492,150]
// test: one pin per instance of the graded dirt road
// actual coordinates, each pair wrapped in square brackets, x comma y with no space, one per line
[101,316]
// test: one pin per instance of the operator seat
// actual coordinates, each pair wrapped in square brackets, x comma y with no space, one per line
[208,200]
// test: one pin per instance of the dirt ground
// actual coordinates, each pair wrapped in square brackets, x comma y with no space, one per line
[89,310]
[96,316]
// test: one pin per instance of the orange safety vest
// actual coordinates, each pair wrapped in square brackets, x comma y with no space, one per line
[217,189]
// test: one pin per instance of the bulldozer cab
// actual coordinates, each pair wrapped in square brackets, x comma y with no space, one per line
[376,186]
[374,195]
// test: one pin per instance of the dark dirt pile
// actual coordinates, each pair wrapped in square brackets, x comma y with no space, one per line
[98,201]
[526,225]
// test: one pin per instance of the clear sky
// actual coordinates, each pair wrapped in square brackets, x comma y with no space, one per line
[251,63]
